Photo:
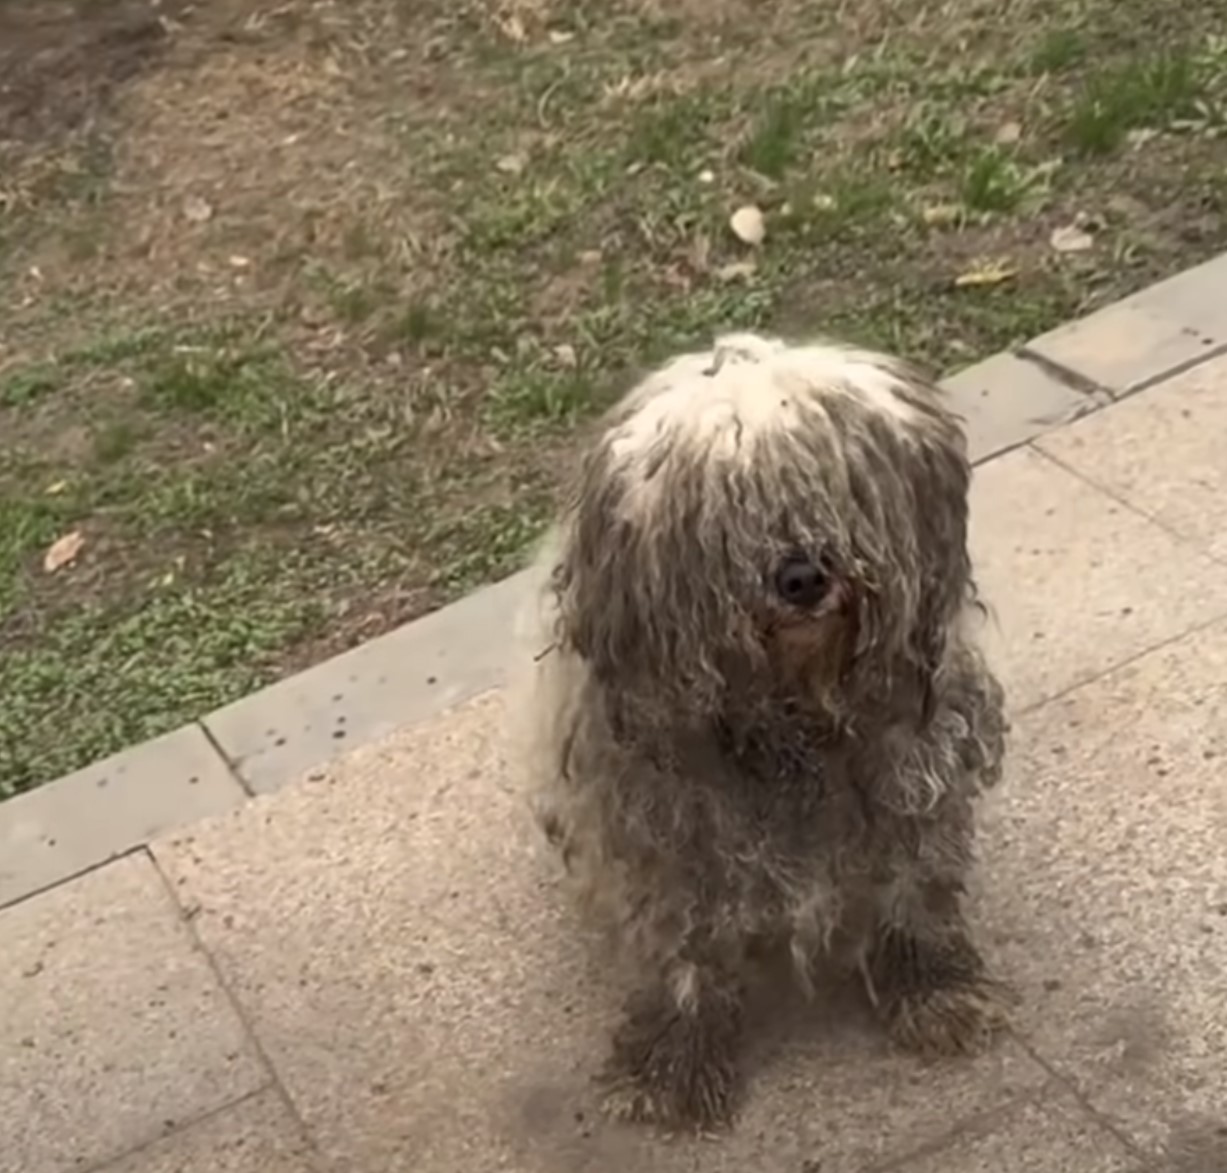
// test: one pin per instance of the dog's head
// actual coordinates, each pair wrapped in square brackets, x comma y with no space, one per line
[764,521]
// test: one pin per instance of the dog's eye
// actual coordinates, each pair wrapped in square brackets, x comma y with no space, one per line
[800,583]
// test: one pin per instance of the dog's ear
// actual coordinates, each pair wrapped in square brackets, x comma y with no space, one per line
[931,649]
[595,617]
[944,570]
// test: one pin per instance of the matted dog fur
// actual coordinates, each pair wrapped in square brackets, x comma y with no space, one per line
[759,714]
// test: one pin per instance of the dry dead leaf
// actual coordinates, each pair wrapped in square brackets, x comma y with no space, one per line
[699,253]
[1071,239]
[558,37]
[197,210]
[1125,207]
[748,225]
[941,215]
[56,489]
[512,164]
[512,27]
[986,273]
[1008,133]
[737,271]
[63,551]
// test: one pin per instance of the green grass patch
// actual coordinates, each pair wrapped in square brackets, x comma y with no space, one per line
[1058,50]
[105,678]
[487,543]
[1151,94]
[27,385]
[995,182]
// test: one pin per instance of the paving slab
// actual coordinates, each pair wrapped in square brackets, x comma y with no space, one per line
[399,941]
[114,1028]
[1052,1134]
[1006,401]
[1155,333]
[1105,878]
[108,808]
[406,676]
[256,1135]
[1164,451]
[1077,581]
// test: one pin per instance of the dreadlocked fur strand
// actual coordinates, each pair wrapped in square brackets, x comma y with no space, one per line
[760,716]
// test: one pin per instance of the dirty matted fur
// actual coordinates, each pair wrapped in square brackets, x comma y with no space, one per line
[760,716]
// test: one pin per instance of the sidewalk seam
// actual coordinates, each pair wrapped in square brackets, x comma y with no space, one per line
[1083,1101]
[980,1123]
[232,767]
[97,865]
[1120,665]
[1101,396]
[180,1126]
[240,1011]
[1083,385]
[1208,355]
[1106,490]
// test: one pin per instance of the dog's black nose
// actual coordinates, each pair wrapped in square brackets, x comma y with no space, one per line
[800,583]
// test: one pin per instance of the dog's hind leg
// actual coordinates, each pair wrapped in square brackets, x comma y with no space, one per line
[675,1053]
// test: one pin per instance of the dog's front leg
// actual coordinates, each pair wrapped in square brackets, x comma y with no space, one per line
[926,974]
[674,1060]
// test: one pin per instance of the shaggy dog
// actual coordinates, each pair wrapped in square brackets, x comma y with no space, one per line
[761,717]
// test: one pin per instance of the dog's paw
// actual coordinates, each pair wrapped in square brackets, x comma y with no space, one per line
[675,1071]
[958,1020]
[701,1103]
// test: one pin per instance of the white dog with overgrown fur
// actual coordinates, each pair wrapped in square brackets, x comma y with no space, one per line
[760,716]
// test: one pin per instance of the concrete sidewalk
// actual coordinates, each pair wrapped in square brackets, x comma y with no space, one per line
[372,968]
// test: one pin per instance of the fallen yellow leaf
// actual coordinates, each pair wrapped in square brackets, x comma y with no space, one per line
[989,273]
[941,215]
[63,551]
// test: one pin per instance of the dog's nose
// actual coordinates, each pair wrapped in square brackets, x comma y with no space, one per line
[800,583]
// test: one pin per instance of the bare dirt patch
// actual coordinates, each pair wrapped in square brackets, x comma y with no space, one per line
[304,305]
[60,61]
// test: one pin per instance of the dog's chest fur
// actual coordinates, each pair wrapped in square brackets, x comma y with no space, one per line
[772,828]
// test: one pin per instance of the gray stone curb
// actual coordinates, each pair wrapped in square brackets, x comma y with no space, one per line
[1155,334]
[261,742]
[79,821]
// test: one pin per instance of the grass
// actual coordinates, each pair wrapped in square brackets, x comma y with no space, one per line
[346,387]
[1157,93]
